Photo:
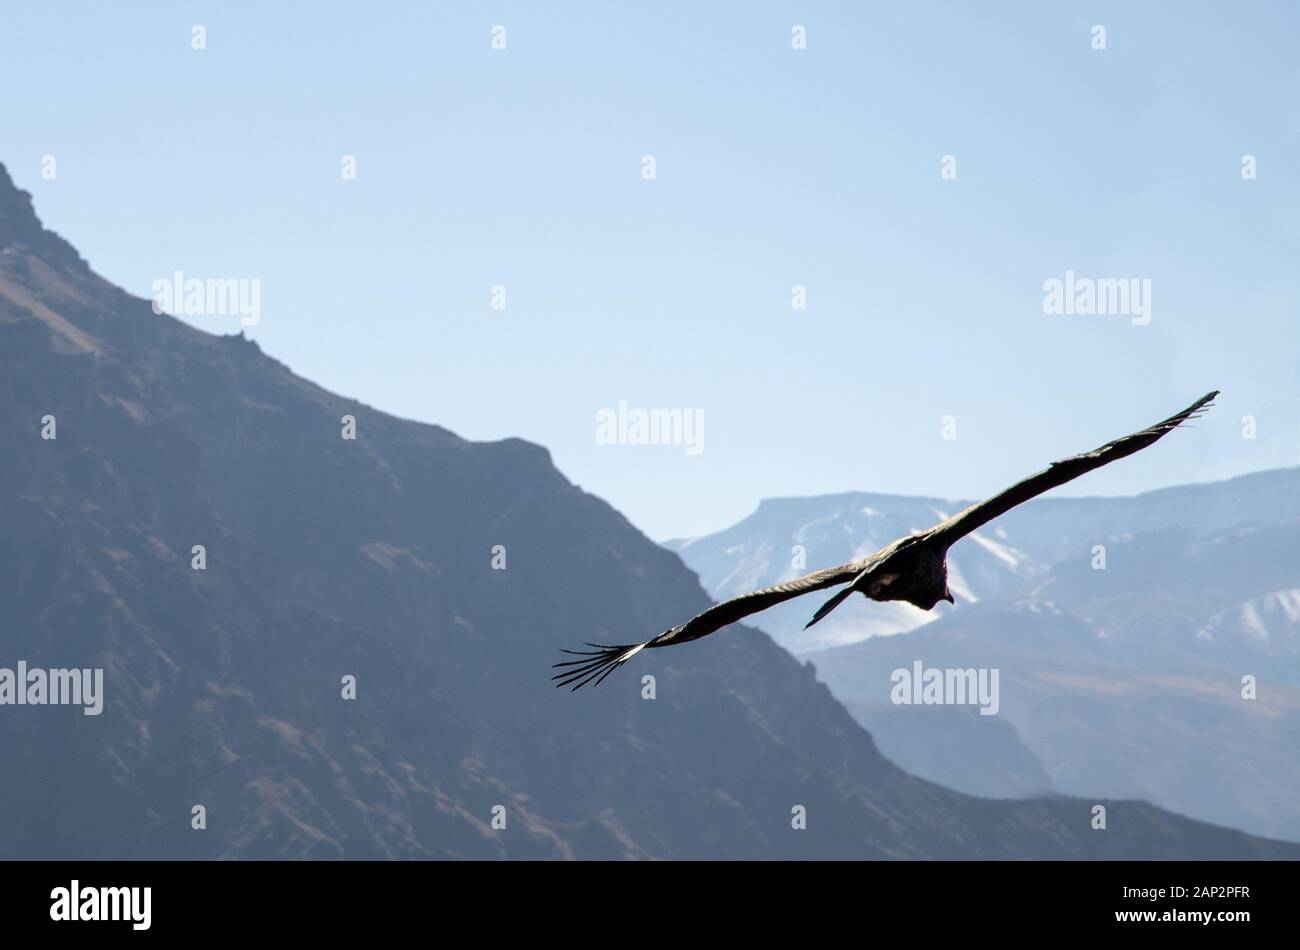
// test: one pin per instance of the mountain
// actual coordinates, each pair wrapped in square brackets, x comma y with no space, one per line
[787,537]
[332,562]
[1121,677]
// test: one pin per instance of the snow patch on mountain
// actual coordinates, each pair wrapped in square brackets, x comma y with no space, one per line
[958,586]
[1007,555]
[1272,618]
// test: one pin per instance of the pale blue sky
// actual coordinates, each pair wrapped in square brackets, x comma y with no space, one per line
[775,167]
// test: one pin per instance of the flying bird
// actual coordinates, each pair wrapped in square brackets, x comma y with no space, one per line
[913,568]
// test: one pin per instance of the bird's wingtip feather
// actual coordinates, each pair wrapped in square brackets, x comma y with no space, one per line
[594,666]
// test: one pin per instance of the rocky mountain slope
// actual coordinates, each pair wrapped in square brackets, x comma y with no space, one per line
[372,558]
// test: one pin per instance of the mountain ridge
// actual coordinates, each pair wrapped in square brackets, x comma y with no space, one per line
[328,558]
[1105,616]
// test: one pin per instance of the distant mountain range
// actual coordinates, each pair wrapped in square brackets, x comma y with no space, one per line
[331,562]
[1122,628]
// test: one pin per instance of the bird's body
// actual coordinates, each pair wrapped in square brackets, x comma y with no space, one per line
[917,575]
[912,569]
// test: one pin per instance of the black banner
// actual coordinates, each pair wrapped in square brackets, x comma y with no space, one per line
[329,900]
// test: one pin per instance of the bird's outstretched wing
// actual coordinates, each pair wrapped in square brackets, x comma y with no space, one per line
[592,666]
[1058,473]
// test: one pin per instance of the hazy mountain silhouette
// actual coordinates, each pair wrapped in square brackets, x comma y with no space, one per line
[372,557]
[1123,680]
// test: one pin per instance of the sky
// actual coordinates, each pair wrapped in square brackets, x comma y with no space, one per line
[922,362]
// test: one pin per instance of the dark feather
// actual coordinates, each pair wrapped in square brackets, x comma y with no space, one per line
[1058,473]
[593,666]
[738,608]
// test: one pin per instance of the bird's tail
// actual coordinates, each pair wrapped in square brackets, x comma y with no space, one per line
[830,605]
[594,664]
